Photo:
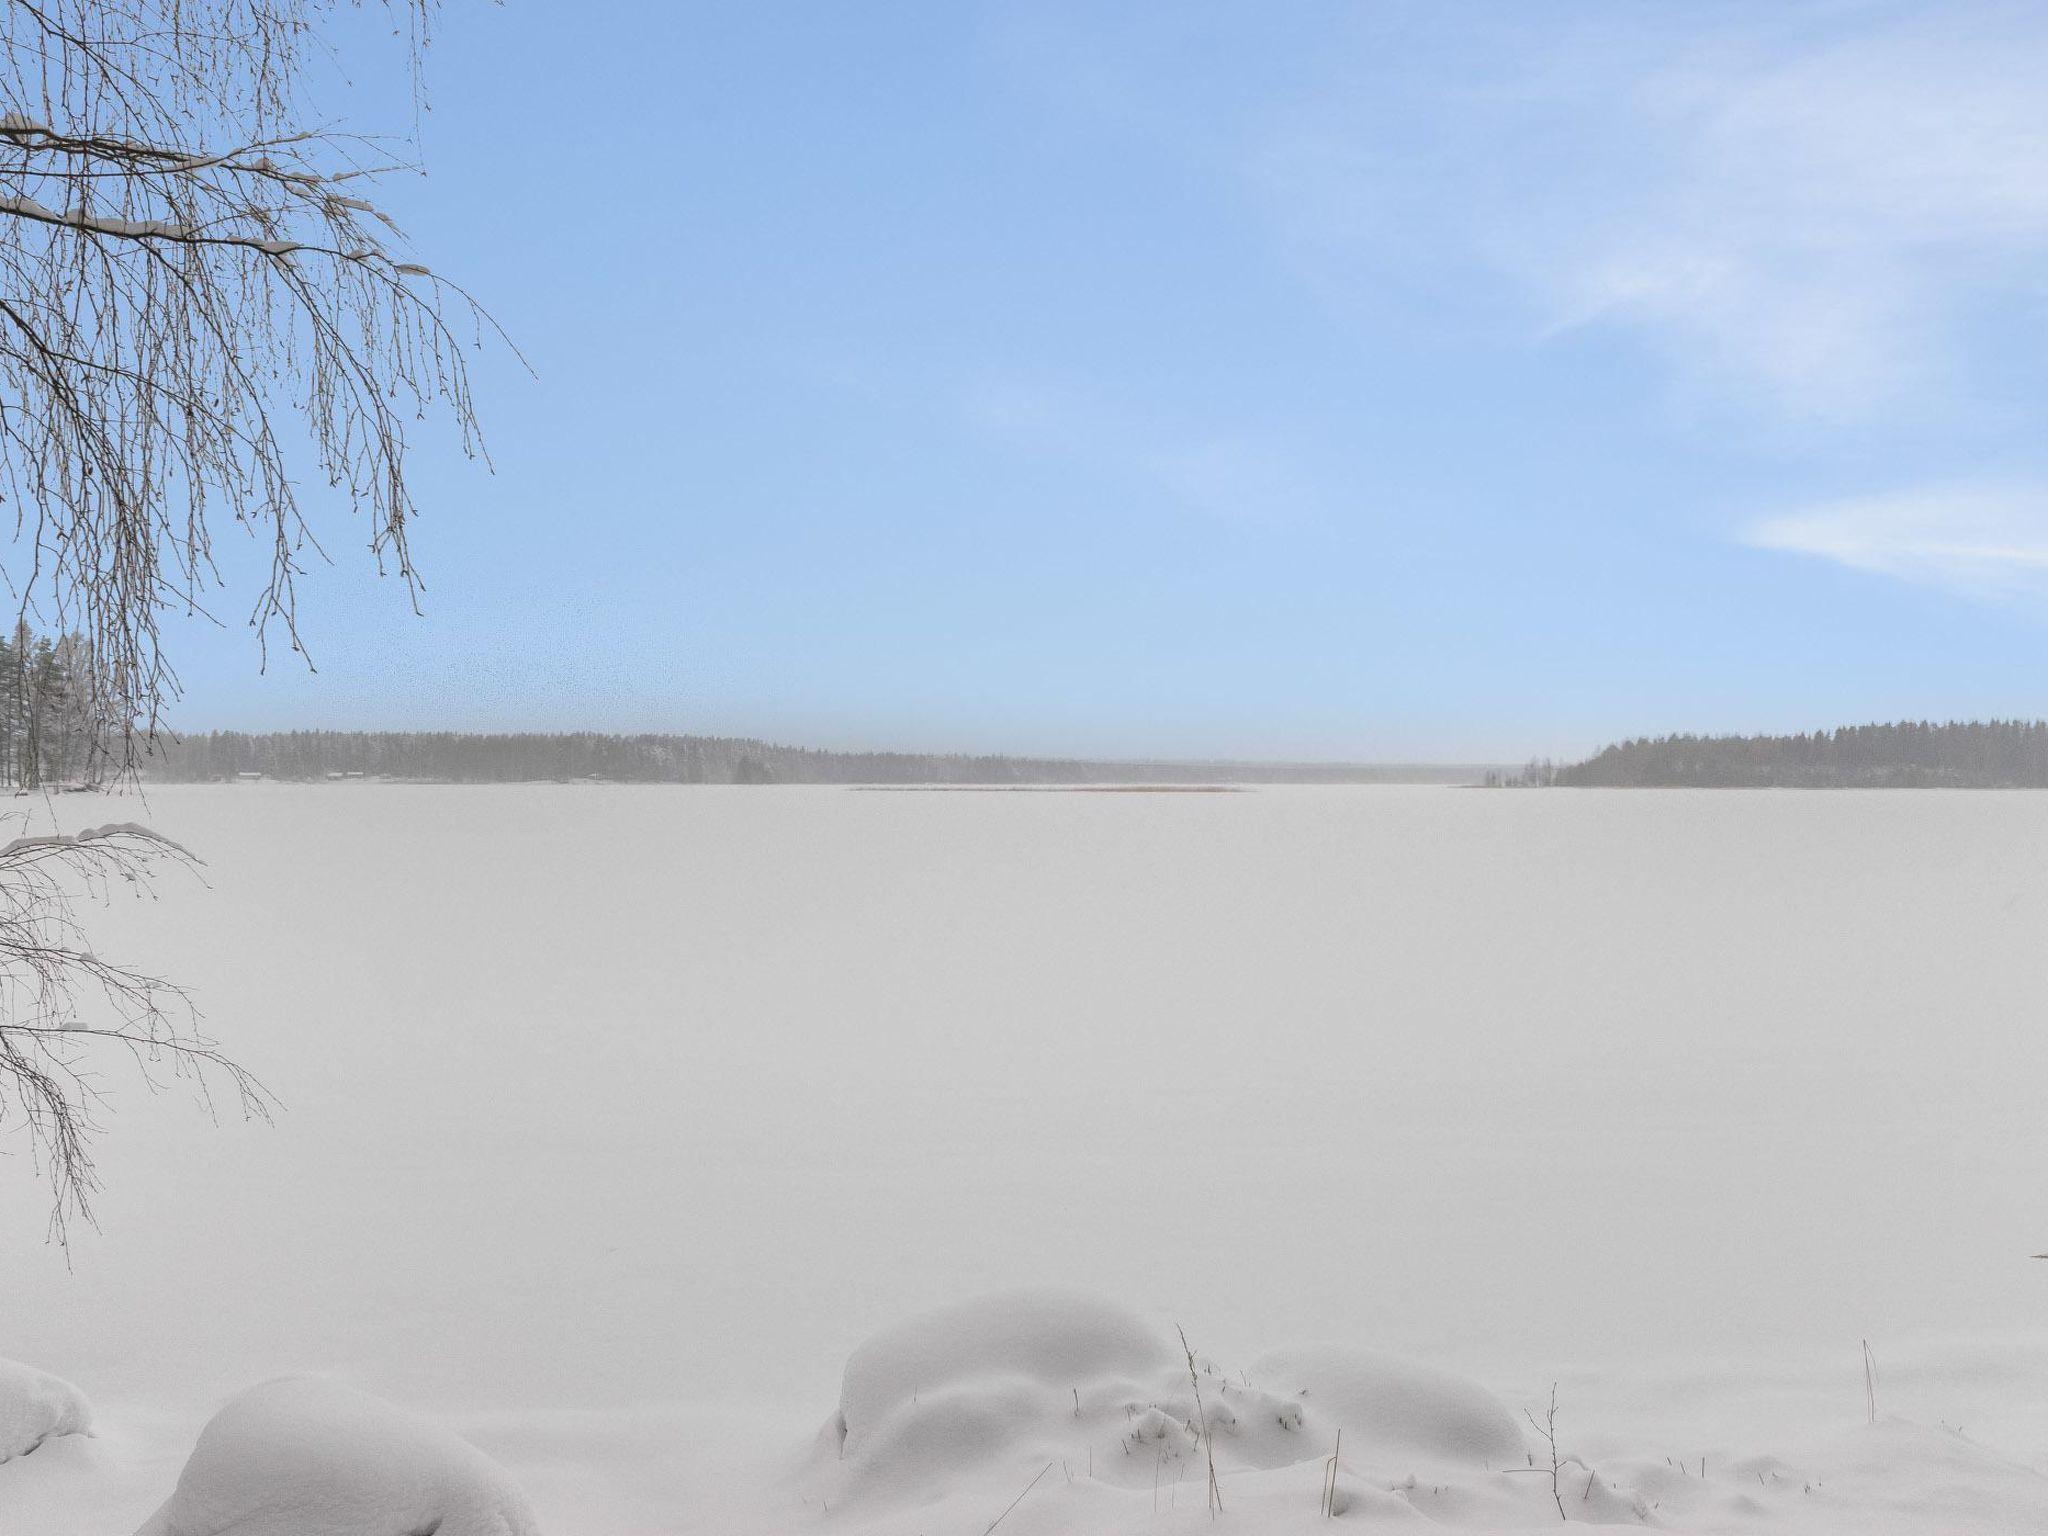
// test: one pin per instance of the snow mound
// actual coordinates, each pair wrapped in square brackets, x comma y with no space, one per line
[1384,1402]
[1083,1401]
[1054,1338]
[34,1406]
[304,1457]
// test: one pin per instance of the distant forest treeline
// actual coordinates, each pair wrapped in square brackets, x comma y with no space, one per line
[1994,754]
[447,756]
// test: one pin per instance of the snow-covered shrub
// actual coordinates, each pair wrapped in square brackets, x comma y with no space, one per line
[1056,1338]
[34,1406]
[1385,1403]
[305,1457]
[1078,1399]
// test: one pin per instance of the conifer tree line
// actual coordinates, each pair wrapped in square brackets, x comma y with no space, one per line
[525,757]
[1977,754]
[47,734]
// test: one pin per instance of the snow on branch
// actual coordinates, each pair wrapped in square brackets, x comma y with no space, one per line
[186,291]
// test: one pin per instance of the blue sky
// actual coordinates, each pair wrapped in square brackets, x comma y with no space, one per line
[1372,380]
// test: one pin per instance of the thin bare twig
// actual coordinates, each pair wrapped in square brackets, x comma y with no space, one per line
[999,1519]
[1548,1430]
[1202,1419]
[59,1000]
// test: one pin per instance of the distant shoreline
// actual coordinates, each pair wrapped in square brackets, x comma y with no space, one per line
[1052,789]
[568,757]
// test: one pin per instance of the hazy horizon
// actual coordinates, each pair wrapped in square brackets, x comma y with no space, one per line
[856,746]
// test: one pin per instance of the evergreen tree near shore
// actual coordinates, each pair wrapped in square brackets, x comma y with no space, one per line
[46,731]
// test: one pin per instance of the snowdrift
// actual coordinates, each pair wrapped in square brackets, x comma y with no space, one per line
[35,1406]
[305,1457]
[1054,1413]
[1084,1401]
[1049,1338]
[1392,1404]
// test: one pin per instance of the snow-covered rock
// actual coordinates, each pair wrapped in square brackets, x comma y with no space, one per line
[34,1406]
[305,1457]
[1055,1338]
[1386,1403]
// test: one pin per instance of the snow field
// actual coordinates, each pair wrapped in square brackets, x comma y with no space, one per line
[614,1120]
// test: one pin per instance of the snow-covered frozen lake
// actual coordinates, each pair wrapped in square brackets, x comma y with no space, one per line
[620,1100]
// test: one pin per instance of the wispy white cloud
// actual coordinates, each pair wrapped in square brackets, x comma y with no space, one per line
[1807,207]
[1987,541]
[1831,219]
